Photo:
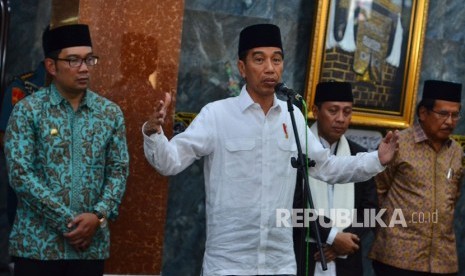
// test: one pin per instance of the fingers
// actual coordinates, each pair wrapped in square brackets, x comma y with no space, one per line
[354,245]
[388,147]
[79,239]
[391,137]
[167,100]
[76,220]
[162,105]
[157,119]
[81,245]
[159,113]
[395,137]
[388,137]
[84,227]
[355,238]
[81,248]
[328,251]
[345,243]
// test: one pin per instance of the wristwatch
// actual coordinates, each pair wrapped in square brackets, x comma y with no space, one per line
[102,219]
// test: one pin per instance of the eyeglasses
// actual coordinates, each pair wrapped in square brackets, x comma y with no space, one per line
[444,115]
[77,62]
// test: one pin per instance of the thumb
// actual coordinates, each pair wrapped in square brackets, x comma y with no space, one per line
[388,137]
[167,100]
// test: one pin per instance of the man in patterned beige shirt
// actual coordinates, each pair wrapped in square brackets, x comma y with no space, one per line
[422,182]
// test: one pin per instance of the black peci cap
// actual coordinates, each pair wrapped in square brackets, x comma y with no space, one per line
[442,90]
[260,35]
[64,37]
[333,91]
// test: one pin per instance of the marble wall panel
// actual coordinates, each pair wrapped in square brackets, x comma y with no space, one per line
[137,40]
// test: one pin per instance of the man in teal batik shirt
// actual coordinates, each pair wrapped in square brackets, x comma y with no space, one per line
[68,161]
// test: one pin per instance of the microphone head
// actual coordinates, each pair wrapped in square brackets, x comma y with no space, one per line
[279,87]
[282,90]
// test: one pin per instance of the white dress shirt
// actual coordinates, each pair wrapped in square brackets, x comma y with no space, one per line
[248,176]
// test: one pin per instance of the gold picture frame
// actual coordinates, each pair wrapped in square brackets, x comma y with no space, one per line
[377,46]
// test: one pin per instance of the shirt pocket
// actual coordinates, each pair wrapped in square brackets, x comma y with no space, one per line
[240,158]
[452,185]
[54,150]
[286,149]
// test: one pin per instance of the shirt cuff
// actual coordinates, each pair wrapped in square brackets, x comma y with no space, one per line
[152,136]
[143,128]
[379,166]
[331,236]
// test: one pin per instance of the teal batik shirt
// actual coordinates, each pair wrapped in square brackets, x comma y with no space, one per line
[62,163]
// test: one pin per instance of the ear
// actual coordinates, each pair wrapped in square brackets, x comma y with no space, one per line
[241,68]
[422,113]
[50,66]
[315,111]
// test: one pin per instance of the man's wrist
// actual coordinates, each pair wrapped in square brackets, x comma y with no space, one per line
[101,218]
[149,131]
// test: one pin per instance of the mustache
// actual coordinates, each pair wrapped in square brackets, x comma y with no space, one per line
[448,129]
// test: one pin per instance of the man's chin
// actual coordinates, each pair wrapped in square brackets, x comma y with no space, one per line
[80,90]
[82,86]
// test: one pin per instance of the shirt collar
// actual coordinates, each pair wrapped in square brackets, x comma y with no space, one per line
[245,101]
[56,98]
[419,134]
[333,147]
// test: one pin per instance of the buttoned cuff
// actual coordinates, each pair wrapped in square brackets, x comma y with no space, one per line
[331,236]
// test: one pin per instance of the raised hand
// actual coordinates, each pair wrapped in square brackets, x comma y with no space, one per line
[157,119]
[388,147]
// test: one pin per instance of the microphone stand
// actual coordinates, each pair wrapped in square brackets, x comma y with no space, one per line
[301,164]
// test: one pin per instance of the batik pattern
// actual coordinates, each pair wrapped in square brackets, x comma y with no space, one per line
[424,185]
[63,163]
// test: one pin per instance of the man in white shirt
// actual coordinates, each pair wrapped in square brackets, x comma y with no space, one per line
[247,143]
[340,204]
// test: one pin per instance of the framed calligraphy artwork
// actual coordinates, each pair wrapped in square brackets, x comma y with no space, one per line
[377,46]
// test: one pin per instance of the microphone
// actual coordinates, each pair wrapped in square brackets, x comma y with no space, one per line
[282,89]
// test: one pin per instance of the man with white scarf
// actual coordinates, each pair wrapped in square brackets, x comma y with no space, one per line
[340,204]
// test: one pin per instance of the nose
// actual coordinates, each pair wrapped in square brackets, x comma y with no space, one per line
[269,66]
[340,116]
[83,66]
[449,119]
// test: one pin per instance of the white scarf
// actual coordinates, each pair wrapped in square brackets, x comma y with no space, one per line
[343,201]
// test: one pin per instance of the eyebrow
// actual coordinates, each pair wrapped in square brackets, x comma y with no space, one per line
[261,52]
[79,56]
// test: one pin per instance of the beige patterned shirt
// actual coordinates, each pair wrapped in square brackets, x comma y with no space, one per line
[423,185]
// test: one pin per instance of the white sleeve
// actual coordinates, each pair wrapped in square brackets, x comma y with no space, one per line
[331,236]
[170,157]
[336,169]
